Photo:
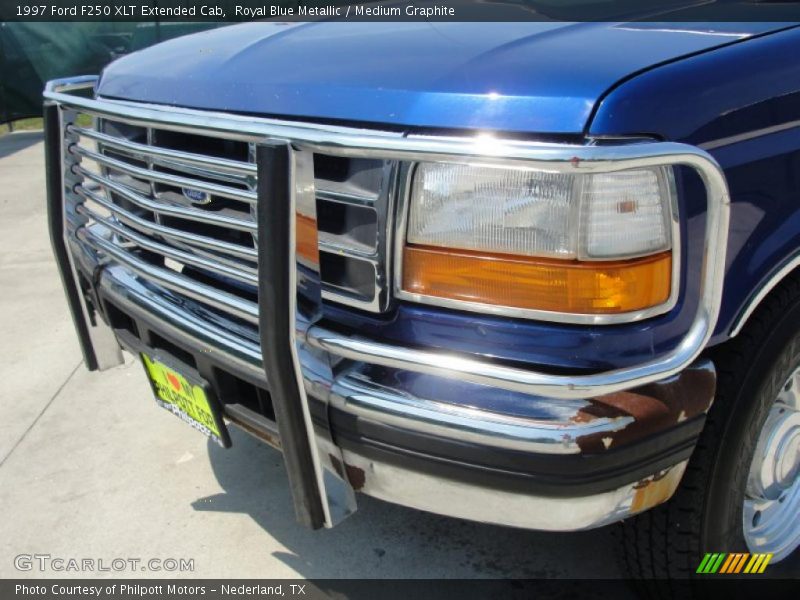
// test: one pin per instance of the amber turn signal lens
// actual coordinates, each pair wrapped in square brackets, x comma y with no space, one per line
[566,286]
[306,239]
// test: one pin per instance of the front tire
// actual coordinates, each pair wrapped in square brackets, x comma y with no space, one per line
[741,490]
[771,512]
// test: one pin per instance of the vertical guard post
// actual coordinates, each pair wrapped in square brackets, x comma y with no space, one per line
[98,345]
[289,300]
[273,215]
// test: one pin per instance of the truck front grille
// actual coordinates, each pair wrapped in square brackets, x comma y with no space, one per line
[179,210]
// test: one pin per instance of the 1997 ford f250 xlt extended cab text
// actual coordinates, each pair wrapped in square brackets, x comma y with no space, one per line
[538,274]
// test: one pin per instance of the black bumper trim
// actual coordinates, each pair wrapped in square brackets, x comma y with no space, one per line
[555,475]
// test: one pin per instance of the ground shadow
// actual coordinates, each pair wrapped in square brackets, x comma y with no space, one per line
[14,142]
[383,540]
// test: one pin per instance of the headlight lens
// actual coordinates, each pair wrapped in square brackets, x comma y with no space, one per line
[536,213]
[497,210]
[530,239]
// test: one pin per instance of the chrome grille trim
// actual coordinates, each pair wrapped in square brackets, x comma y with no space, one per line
[247,275]
[166,209]
[333,196]
[331,243]
[171,280]
[131,208]
[166,178]
[168,156]
[127,185]
[151,228]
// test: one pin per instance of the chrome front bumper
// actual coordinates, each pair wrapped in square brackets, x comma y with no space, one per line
[553,428]
[555,415]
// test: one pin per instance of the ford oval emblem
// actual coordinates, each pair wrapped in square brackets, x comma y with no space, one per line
[196,196]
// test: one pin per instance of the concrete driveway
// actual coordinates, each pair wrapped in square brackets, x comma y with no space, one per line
[90,467]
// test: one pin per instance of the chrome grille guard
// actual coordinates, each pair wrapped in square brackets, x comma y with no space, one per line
[322,494]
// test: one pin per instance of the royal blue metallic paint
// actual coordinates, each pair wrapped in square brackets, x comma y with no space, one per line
[524,77]
[715,99]
[689,82]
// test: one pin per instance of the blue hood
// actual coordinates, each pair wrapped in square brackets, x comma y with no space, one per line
[532,77]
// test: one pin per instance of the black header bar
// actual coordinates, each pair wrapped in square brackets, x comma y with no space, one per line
[394,10]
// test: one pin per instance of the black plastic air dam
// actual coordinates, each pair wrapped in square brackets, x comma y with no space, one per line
[275,320]
[549,475]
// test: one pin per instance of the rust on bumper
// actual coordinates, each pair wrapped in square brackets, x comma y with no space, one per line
[653,407]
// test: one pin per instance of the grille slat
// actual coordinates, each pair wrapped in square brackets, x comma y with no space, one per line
[176,282]
[168,209]
[169,156]
[244,274]
[331,243]
[166,178]
[170,234]
[345,198]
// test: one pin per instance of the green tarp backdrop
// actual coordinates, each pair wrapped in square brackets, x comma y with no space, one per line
[31,53]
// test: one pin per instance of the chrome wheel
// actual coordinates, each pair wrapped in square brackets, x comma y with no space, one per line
[771,516]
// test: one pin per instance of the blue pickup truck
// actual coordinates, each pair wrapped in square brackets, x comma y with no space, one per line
[543,275]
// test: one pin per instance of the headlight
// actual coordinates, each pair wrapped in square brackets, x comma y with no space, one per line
[535,240]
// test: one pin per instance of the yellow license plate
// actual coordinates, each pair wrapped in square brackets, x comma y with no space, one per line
[187,398]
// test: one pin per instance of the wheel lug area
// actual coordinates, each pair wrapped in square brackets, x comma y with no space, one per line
[756,518]
[772,499]
[787,459]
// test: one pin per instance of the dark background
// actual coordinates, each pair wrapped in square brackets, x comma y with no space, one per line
[33,53]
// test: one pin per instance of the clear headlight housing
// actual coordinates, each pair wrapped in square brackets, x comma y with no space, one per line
[595,243]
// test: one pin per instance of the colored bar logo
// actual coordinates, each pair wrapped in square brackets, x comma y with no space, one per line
[733,563]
